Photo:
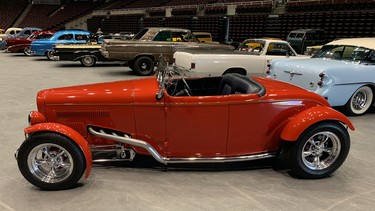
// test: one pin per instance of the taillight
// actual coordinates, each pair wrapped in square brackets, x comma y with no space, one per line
[321,75]
[192,66]
[269,69]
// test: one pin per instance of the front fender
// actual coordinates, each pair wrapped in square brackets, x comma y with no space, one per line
[68,132]
[302,121]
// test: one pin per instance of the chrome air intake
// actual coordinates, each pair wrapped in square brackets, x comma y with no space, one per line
[140,143]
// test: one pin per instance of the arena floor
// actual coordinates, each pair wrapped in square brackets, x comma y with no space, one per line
[261,185]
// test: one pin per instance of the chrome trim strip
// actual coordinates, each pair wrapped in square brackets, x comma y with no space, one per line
[164,160]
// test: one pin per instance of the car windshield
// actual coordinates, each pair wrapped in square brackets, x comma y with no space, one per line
[347,53]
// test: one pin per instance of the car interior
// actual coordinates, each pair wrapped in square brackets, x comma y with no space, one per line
[227,84]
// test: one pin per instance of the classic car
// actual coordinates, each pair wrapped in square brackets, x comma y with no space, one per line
[342,71]
[251,58]
[204,37]
[8,32]
[87,54]
[45,47]
[301,38]
[143,50]
[174,119]
[24,33]
[17,45]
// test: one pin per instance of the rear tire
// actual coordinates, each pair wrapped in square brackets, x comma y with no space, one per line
[51,161]
[319,151]
[49,55]
[144,66]
[27,51]
[360,102]
[88,61]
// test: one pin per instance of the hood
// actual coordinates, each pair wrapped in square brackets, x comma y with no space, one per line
[109,93]
[91,94]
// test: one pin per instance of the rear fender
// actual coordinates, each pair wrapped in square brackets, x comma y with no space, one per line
[309,117]
[68,132]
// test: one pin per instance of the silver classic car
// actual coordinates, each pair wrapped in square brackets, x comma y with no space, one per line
[343,72]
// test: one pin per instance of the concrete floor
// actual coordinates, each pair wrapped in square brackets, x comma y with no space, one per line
[245,186]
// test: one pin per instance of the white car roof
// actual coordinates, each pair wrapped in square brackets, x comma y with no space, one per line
[360,42]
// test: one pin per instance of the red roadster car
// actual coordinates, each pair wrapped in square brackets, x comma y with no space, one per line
[180,120]
[17,45]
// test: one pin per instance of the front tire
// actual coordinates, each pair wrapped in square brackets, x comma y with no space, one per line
[51,161]
[360,102]
[319,151]
[144,66]
[88,61]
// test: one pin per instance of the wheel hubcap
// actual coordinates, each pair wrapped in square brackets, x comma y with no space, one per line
[50,163]
[359,100]
[321,150]
[144,66]
[87,59]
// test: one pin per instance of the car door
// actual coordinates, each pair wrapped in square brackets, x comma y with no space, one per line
[196,126]
[252,125]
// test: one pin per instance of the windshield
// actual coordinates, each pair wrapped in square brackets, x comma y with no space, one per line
[346,53]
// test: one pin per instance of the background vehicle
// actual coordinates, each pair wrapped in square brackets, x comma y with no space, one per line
[8,32]
[176,120]
[16,45]
[144,49]
[44,47]
[251,58]
[342,71]
[300,39]
[24,33]
[87,54]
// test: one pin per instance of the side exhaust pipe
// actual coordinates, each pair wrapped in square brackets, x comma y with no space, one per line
[140,143]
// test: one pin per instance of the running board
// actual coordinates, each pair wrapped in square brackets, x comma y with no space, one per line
[140,143]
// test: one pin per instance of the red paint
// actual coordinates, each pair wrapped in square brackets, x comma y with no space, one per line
[196,126]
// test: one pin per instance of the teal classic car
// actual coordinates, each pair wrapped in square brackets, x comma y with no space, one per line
[45,47]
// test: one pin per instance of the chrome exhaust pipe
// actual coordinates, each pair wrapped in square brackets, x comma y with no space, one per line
[140,143]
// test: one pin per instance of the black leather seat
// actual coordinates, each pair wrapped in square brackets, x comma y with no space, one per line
[235,83]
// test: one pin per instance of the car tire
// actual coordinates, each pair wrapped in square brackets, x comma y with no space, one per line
[144,66]
[27,51]
[49,55]
[51,161]
[88,61]
[319,151]
[360,102]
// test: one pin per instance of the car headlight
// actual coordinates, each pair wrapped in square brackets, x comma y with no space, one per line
[35,117]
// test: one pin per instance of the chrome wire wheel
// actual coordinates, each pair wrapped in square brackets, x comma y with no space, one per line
[321,150]
[361,100]
[50,163]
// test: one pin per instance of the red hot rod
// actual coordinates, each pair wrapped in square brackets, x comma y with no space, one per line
[181,120]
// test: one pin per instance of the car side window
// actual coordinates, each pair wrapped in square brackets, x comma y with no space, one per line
[163,36]
[278,49]
[81,37]
[27,32]
[66,37]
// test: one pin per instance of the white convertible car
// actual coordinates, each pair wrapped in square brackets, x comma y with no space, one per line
[343,72]
[251,58]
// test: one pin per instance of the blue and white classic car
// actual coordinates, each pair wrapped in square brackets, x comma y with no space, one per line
[343,72]
[45,47]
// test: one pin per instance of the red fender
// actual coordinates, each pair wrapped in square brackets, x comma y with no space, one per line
[305,119]
[68,132]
